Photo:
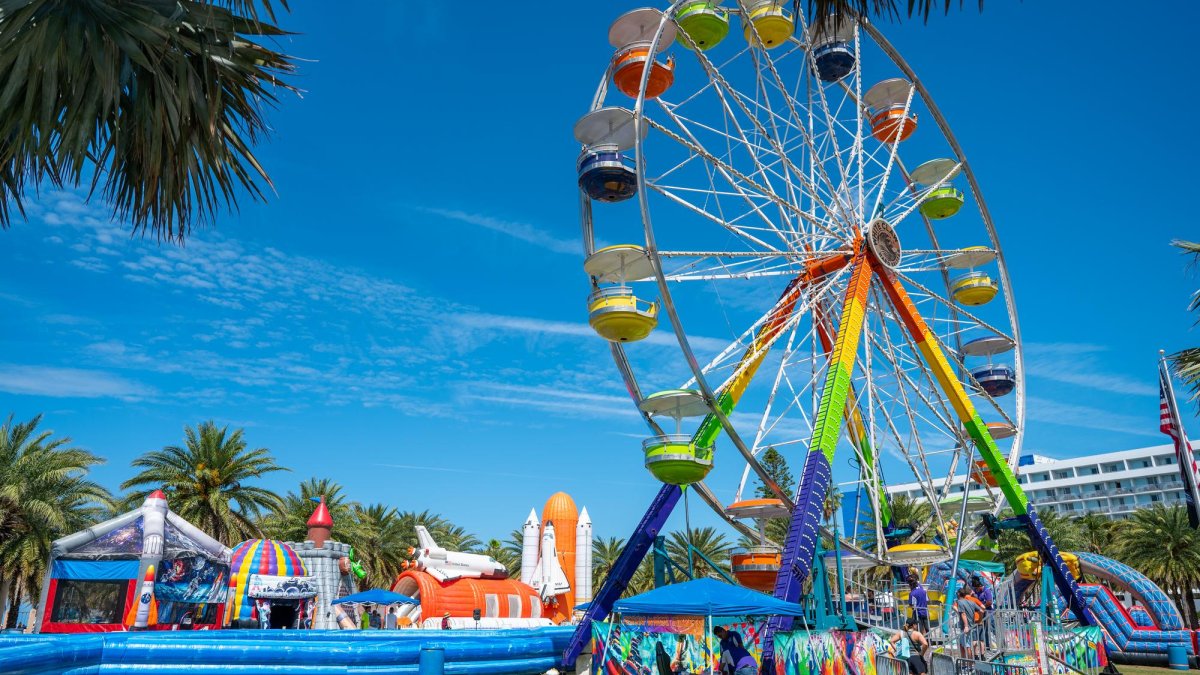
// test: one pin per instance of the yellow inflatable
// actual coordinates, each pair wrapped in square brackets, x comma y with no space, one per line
[1029,565]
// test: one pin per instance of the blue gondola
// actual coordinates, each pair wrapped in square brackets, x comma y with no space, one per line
[996,380]
[604,176]
[834,60]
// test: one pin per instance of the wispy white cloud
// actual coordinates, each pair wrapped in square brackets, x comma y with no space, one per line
[522,231]
[255,323]
[68,383]
[552,399]
[1050,411]
[525,324]
[1079,364]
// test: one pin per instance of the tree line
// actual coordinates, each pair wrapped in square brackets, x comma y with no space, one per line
[211,481]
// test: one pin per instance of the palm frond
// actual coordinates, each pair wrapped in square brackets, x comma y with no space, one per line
[820,12]
[155,104]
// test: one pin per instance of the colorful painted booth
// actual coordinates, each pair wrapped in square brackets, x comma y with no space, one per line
[93,579]
[269,586]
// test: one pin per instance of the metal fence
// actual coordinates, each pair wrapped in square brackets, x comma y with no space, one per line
[886,665]
[972,667]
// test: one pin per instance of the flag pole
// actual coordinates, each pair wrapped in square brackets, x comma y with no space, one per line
[1183,448]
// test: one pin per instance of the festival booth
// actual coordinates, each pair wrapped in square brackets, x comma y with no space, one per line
[145,569]
[269,586]
[680,619]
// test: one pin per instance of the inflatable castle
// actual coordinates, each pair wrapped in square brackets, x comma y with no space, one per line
[294,582]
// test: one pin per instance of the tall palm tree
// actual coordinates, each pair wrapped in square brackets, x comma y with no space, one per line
[514,546]
[153,104]
[1186,362]
[1160,542]
[289,523]
[706,540]
[1066,533]
[1098,533]
[207,481]
[44,494]
[604,555]
[379,543]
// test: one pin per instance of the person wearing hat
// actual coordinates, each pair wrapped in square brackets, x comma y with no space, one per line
[446,621]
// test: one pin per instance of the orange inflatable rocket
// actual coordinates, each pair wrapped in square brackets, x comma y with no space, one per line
[560,512]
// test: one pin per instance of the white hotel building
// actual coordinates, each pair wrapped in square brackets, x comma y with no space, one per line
[1112,484]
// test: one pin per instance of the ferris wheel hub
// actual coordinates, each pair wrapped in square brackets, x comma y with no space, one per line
[883,243]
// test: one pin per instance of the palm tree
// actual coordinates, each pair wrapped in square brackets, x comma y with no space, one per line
[1187,361]
[289,523]
[705,540]
[380,543]
[155,105]
[1160,542]
[604,555]
[1098,533]
[44,494]
[501,554]
[1066,533]
[819,11]
[514,547]
[206,481]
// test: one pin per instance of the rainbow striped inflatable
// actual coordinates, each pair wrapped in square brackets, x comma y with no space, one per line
[258,556]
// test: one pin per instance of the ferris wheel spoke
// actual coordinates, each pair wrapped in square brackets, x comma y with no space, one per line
[730,117]
[943,301]
[740,100]
[734,229]
[729,172]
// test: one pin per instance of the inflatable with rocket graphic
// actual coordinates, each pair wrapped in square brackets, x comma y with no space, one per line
[555,575]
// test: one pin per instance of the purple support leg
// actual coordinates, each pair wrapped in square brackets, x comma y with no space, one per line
[800,545]
[622,570]
[1048,552]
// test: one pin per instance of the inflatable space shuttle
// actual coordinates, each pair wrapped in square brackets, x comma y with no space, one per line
[556,556]
[445,565]
[548,578]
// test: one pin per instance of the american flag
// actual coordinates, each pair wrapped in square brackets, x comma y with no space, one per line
[1169,424]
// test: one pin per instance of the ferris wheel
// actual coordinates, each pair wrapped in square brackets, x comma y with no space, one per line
[805,234]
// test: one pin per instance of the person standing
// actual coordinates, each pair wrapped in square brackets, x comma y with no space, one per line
[264,614]
[918,599]
[446,621]
[735,659]
[910,646]
[389,619]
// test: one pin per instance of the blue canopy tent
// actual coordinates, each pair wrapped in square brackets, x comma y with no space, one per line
[706,597]
[376,596]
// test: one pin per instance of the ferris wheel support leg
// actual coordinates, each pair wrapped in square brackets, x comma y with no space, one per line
[636,548]
[800,545]
[978,431]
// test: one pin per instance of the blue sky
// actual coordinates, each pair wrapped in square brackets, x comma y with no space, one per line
[406,315]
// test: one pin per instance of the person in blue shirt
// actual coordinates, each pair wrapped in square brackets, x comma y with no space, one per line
[735,660]
[918,598]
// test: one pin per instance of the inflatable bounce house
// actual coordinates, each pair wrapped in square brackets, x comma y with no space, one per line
[1142,634]
[145,569]
[555,575]
[331,566]
[269,586]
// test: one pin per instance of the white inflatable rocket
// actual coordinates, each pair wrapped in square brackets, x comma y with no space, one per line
[529,547]
[549,579]
[583,558]
[445,565]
